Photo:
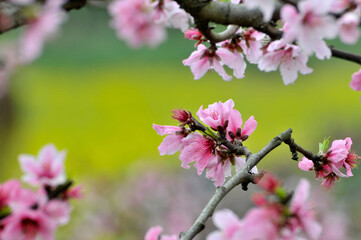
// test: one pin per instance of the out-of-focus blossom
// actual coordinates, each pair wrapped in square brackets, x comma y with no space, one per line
[39,29]
[355,84]
[303,215]
[272,219]
[229,225]
[349,27]
[266,6]
[288,57]
[154,234]
[204,59]
[45,169]
[9,191]
[308,25]
[269,183]
[134,22]
[28,224]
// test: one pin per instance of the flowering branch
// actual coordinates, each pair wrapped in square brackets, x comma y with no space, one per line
[243,176]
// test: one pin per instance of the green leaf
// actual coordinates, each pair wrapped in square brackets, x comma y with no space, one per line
[281,193]
[324,145]
[211,133]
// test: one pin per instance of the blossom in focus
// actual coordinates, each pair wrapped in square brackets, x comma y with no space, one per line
[40,28]
[172,142]
[199,149]
[337,157]
[154,234]
[169,13]
[204,59]
[45,169]
[194,34]
[134,22]
[308,24]
[235,123]
[253,44]
[216,114]
[266,6]
[288,57]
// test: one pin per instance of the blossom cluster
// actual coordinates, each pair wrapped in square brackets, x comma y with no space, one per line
[278,215]
[143,22]
[304,28]
[42,22]
[332,160]
[204,145]
[29,215]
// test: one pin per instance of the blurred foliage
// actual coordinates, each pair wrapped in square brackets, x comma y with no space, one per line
[92,95]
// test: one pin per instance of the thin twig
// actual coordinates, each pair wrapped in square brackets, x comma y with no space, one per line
[242,176]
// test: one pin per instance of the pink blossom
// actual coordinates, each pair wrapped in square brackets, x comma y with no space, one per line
[355,84]
[348,28]
[172,142]
[134,22]
[9,191]
[75,192]
[266,6]
[204,59]
[194,34]
[169,13]
[261,223]
[235,126]
[154,234]
[39,29]
[252,44]
[302,211]
[305,164]
[28,224]
[46,169]
[337,157]
[269,183]
[199,149]
[238,65]
[58,211]
[218,171]
[309,26]
[288,57]
[229,225]
[216,114]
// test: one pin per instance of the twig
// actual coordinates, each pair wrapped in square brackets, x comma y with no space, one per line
[345,55]
[243,176]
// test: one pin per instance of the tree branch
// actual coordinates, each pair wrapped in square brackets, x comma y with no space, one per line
[345,55]
[242,176]
[16,19]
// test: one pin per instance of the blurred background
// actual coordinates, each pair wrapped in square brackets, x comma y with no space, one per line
[93,96]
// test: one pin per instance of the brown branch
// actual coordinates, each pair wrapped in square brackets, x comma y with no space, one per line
[16,18]
[243,176]
[345,55]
